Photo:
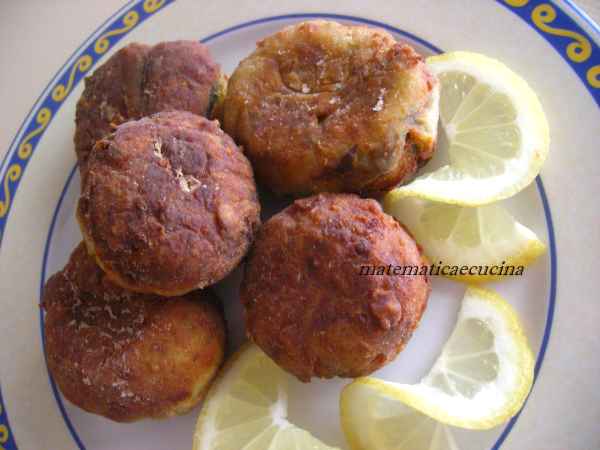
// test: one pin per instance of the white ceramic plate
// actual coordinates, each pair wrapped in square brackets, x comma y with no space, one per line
[548,43]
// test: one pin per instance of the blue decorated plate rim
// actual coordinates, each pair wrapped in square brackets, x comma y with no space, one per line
[136,11]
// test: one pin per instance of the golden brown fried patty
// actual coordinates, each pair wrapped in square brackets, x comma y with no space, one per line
[306,303]
[140,80]
[128,356]
[168,204]
[320,106]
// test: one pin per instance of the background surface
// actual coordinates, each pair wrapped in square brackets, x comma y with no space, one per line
[592,7]
[38,37]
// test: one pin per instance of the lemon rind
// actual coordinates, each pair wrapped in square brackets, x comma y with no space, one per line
[528,254]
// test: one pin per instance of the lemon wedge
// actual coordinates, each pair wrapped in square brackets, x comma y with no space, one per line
[486,239]
[246,409]
[496,131]
[480,380]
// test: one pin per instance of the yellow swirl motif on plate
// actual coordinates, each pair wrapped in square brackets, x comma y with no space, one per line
[517,3]
[43,118]
[61,91]
[12,174]
[129,21]
[152,5]
[3,432]
[3,435]
[593,76]
[577,51]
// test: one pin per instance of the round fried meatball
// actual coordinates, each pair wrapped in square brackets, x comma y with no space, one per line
[312,302]
[168,204]
[140,80]
[128,356]
[320,106]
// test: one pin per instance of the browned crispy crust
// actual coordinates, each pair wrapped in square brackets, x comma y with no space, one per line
[168,204]
[320,106]
[128,356]
[306,304]
[140,80]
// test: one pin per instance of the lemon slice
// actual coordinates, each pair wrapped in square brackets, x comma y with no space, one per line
[486,240]
[246,409]
[480,380]
[390,424]
[496,130]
